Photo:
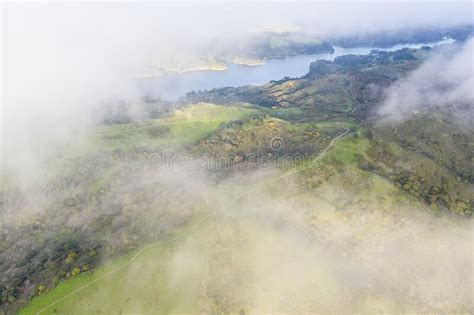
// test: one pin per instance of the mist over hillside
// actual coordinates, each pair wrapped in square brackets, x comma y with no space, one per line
[348,189]
[444,82]
[92,61]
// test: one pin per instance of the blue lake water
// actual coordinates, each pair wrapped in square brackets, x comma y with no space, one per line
[170,86]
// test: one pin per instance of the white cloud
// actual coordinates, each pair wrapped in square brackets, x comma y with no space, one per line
[445,82]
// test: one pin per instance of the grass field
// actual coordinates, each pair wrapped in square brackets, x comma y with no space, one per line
[142,281]
[138,276]
[183,127]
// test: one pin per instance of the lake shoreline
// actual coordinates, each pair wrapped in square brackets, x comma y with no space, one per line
[171,85]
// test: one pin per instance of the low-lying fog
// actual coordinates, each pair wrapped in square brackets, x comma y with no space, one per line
[279,249]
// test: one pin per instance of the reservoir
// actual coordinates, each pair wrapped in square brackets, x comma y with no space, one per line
[172,85]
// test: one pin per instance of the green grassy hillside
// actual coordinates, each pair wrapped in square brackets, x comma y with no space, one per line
[261,199]
[236,260]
